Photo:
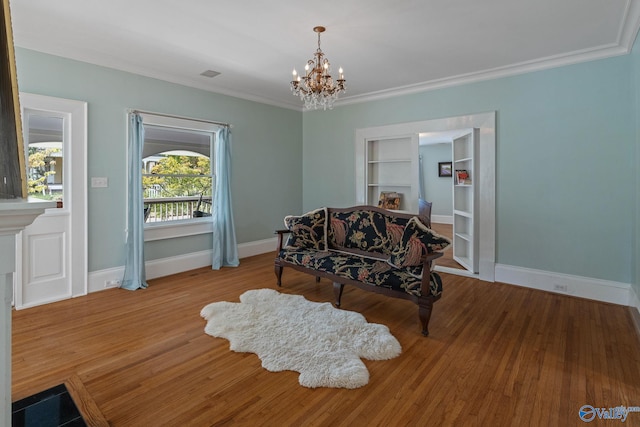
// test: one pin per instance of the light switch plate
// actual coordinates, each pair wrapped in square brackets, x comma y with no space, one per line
[99,182]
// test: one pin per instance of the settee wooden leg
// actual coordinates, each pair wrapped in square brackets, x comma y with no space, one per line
[424,313]
[278,270]
[337,292]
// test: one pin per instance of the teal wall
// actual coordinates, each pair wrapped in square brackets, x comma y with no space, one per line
[267,147]
[566,170]
[566,175]
[437,190]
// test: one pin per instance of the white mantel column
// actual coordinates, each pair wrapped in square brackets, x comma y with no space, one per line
[15,215]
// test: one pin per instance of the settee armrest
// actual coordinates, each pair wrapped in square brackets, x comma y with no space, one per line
[280,234]
[429,258]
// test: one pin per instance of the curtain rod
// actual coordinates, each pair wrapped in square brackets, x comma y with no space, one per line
[173,116]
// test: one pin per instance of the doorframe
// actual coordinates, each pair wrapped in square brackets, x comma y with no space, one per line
[75,189]
[486,122]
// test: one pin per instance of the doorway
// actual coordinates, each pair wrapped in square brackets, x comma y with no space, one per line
[55,146]
[485,122]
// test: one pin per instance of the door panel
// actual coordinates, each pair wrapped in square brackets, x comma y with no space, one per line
[55,145]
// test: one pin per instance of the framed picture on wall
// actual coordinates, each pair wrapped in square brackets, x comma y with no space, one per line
[444,169]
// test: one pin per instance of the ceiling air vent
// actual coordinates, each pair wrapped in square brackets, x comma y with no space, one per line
[209,73]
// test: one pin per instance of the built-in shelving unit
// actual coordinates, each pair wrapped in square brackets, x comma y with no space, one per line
[465,200]
[391,167]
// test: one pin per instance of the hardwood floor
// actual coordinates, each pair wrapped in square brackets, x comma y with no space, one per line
[446,260]
[497,355]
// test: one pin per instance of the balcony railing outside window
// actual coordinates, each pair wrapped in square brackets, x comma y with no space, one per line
[176,208]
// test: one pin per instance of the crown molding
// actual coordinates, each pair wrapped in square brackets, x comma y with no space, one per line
[623,45]
[495,73]
[625,40]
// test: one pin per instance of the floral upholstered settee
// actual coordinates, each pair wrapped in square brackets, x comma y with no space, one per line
[368,247]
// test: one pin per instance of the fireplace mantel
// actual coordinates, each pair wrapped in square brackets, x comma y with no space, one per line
[15,215]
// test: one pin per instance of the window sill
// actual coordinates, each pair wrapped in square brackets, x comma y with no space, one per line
[192,227]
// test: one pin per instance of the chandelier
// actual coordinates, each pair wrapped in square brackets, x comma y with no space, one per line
[317,88]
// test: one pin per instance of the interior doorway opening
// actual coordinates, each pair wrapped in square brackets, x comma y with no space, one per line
[485,124]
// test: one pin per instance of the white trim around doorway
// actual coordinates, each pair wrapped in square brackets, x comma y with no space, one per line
[486,122]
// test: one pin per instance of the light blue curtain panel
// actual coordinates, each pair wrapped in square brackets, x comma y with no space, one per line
[134,272]
[225,248]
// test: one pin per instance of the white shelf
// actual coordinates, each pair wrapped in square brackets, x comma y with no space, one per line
[465,202]
[464,261]
[463,213]
[464,236]
[388,185]
[373,162]
[389,166]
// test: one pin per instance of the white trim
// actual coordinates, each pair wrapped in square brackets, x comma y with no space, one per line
[257,247]
[634,300]
[177,264]
[75,117]
[456,271]
[103,279]
[579,286]
[191,227]
[486,122]
[171,229]
[111,277]
[491,74]
[623,46]
[634,307]
[583,287]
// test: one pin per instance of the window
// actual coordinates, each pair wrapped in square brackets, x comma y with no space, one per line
[44,137]
[177,176]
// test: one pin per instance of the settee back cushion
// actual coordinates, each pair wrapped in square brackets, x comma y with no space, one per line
[308,231]
[417,240]
[364,230]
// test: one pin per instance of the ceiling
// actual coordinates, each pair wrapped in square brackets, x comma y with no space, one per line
[386,48]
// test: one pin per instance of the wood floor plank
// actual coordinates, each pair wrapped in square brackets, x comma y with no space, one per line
[85,403]
[496,355]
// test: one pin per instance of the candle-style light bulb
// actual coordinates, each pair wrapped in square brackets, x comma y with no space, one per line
[340,71]
[295,73]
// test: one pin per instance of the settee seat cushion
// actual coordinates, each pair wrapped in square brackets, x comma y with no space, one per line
[372,271]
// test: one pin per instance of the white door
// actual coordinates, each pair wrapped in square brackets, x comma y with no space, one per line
[51,252]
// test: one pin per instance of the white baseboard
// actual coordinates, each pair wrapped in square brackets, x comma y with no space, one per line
[442,219]
[257,247]
[111,277]
[104,279]
[634,299]
[634,307]
[583,287]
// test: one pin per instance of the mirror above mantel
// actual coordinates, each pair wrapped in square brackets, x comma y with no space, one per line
[12,164]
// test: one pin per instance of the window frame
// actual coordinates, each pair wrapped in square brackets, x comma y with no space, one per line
[187,227]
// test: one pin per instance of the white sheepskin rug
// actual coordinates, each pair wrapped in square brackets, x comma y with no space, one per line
[287,332]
